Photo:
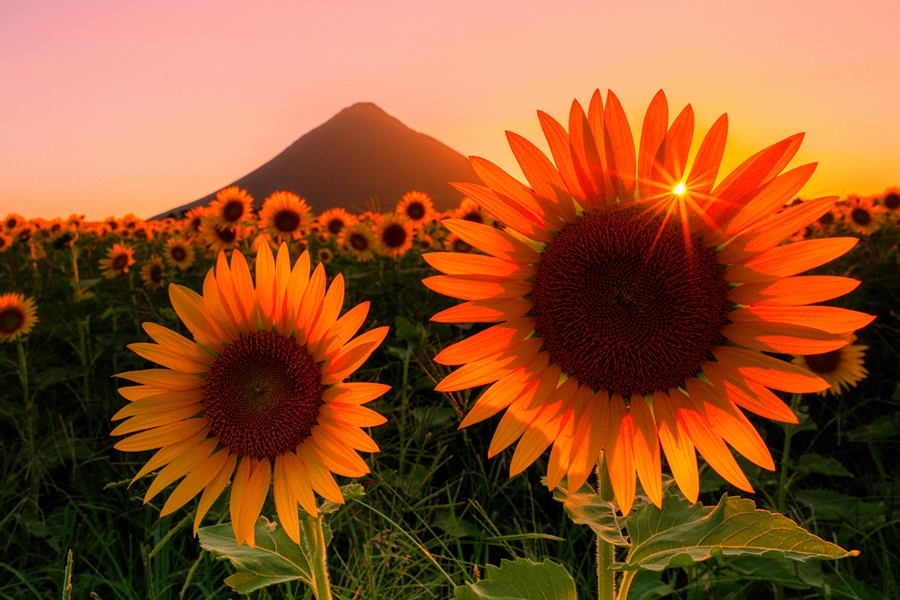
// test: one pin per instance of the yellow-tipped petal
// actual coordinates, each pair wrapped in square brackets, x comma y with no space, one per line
[195,482]
[299,480]
[285,503]
[646,449]
[620,453]
[214,489]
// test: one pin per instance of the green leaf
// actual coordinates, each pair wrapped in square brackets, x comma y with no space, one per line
[349,492]
[828,505]
[408,331]
[682,533]
[585,507]
[521,579]
[813,463]
[885,426]
[275,559]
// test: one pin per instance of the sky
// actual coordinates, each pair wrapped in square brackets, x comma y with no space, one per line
[108,108]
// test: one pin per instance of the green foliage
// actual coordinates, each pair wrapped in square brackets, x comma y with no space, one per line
[682,533]
[521,579]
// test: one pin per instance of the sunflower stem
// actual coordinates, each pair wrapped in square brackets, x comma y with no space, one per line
[606,552]
[783,482]
[312,539]
[32,471]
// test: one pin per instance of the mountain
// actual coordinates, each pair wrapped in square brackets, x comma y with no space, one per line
[359,153]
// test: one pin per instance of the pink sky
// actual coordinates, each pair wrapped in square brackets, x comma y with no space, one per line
[115,107]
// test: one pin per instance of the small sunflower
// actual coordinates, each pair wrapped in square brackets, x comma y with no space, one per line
[634,302]
[218,238]
[469,210]
[117,261]
[17,316]
[891,201]
[334,221]
[231,206]
[841,368]
[285,214]
[152,273]
[258,397]
[5,242]
[417,208]
[325,255]
[860,214]
[454,243]
[423,242]
[193,220]
[12,221]
[179,253]
[359,241]
[393,235]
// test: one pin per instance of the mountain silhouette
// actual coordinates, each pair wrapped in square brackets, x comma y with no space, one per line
[360,153]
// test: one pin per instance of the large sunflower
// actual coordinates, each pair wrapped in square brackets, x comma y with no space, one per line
[258,396]
[634,301]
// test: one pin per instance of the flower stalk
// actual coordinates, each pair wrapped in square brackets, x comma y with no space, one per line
[606,552]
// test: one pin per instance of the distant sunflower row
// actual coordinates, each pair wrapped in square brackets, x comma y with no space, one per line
[229,222]
[857,215]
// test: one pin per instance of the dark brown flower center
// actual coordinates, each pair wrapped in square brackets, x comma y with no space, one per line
[120,262]
[461,246]
[335,226]
[892,201]
[11,223]
[860,216]
[156,274]
[394,235]
[11,320]
[824,363]
[233,210]
[226,235]
[474,216]
[287,220]
[195,223]
[623,305]
[178,254]
[262,395]
[415,211]
[827,218]
[359,242]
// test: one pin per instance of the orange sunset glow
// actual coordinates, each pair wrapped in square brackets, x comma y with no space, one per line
[109,108]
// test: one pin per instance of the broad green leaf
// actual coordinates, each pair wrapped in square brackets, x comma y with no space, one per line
[681,533]
[585,507]
[275,559]
[521,579]
[885,426]
[814,463]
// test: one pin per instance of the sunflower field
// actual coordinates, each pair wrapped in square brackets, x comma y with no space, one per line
[505,400]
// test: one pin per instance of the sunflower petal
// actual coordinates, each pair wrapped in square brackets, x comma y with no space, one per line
[830,319]
[161,436]
[477,287]
[793,291]
[492,241]
[619,144]
[299,480]
[354,393]
[769,371]
[319,477]
[484,311]
[620,453]
[490,369]
[456,263]
[195,482]
[352,356]
[486,343]
[285,502]
[646,449]
[791,259]
[163,378]
[214,489]
[180,467]
[677,446]
[782,337]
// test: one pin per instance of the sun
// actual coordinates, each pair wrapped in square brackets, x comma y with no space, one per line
[633,316]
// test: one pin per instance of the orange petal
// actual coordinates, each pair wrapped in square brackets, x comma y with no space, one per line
[299,481]
[296,288]
[352,356]
[191,310]
[319,477]
[508,187]
[826,318]
[708,160]
[155,419]
[180,467]
[792,291]
[477,287]
[769,371]
[653,132]
[646,449]
[729,422]
[456,263]
[484,311]
[506,390]
[677,446]
[784,261]
[353,415]
[493,241]
[542,176]
[265,284]
[592,419]
[354,393]
[782,337]
[177,361]
[331,308]
[586,159]
[490,369]
[708,442]
[336,456]
[236,502]
[748,395]
[620,453]
[339,333]
[176,342]
[244,293]
[163,378]
[511,427]
[162,401]
[285,502]
[217,312]
[310,304]
[772,197]
[161,436]
[214,489]
[619,147]
[486,343]
[558,140]
[195,482]
[254,497]
[536,439]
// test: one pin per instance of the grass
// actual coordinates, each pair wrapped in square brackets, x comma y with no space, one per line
[435,510]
